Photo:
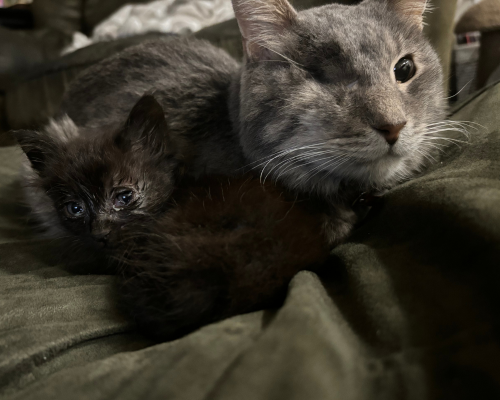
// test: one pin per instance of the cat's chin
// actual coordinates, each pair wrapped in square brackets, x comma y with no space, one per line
[381,173]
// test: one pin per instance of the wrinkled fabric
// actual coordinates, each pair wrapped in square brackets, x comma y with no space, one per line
[167,16]
[408,310]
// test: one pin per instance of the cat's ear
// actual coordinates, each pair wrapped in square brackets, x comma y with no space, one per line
[261,23]
[37,146]
[146,127]
[411,10]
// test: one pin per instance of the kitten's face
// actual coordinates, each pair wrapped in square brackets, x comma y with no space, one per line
[350,97]
[98,181]
[96,188]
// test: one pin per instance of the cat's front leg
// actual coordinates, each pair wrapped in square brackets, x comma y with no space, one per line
[338,223]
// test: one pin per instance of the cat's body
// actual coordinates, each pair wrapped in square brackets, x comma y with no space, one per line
[316,103]
[331,102]
[191,80]
[227,247]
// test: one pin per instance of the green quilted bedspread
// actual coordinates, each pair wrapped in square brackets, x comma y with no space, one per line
[410,311]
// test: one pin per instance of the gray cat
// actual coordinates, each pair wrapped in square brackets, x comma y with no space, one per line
[330,102]
[329,98]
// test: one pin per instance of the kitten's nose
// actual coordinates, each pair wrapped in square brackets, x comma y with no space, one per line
[101,237]
[390,131]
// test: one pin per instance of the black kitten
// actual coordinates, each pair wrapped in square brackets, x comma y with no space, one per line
[88,183]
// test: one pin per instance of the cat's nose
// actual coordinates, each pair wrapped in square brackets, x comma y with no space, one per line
[390,131]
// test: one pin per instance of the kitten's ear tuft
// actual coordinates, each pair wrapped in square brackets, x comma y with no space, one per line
[412,10]
[37,146]
[261,23]
[146,127]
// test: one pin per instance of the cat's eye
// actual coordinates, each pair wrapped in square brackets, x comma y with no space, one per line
[404,69]
[122,199]
[74,209]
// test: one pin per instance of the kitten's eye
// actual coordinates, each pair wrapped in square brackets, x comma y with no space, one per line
[74,209]
[122,199]
[404,69]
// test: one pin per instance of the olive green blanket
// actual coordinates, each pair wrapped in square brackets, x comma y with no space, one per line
[410,310]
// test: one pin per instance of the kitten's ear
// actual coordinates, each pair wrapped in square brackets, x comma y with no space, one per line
[261,23]
[37,146]
[412,10]
[146,127]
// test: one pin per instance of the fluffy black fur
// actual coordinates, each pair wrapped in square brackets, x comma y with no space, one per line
[226,248]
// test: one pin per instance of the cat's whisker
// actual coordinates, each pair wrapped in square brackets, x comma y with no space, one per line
[286,151]
[334,167]
[462,127]
[306,158]
[275,52]
[438,146]
[434,131]
[333,164]
[456,143]
[453,122]
[426,155]
[287,170]
[280,155]
[456,94]
[445,139]
[457,128]
[297,158]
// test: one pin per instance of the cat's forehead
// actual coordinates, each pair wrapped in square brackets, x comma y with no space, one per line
[357,37]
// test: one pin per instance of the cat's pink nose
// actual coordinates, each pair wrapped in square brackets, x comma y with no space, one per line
[390,131]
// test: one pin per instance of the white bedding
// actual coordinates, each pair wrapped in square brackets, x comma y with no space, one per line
[177,16]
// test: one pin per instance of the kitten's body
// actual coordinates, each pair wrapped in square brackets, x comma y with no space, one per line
[227,247]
